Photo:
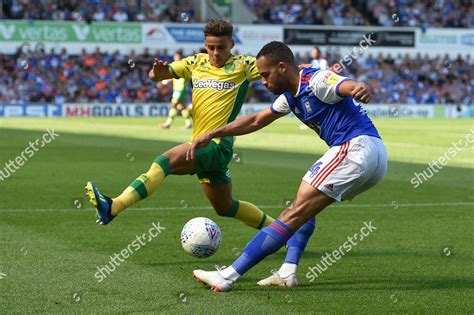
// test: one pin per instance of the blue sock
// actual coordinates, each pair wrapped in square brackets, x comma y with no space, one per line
[297,243]
[266,242]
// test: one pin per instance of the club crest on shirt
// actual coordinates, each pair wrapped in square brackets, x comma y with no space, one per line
[229,68]
[307,105]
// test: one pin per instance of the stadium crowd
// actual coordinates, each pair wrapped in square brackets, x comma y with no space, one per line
[104,10]
[409,80]
[59,77]
[429,13]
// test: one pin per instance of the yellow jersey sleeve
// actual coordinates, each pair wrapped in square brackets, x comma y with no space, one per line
[251,70]
[179,84]
[183,67]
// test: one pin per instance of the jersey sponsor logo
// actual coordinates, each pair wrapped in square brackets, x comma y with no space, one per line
[213,84]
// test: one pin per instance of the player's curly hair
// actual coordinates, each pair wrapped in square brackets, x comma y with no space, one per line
[218,28]
[276,52]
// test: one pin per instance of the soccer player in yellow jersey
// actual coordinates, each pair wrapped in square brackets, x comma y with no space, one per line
[220,81]
[178,100]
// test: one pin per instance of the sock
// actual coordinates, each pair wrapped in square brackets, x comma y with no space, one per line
[230,273]
[287,269]
[249,214]
[296,246]
[266,242]
[171,116]
[185,114]
[143,186]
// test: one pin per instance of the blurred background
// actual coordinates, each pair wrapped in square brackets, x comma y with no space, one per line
[79,58]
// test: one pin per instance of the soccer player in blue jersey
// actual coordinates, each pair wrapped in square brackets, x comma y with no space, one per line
[356,159]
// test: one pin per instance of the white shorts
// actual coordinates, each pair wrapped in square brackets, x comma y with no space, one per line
[346,170]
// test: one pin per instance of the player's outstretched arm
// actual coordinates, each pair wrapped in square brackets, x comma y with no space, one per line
[160,71]
[360,91]
[241,126]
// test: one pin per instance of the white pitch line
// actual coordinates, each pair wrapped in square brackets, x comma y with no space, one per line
[368,205]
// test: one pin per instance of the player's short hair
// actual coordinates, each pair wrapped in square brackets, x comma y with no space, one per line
[276,52]
[218,28]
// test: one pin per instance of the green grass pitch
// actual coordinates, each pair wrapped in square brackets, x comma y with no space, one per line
[419,260]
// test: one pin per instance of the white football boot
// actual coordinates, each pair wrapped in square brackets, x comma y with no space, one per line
[275,279]
[214,279]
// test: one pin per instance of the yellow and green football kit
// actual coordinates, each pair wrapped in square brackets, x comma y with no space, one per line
[218,95]
[179,91]
[180,87]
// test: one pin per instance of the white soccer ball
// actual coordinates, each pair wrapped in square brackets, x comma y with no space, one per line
[201,237]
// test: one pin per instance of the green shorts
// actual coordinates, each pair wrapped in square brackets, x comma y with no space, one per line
[212,161]
[179,96]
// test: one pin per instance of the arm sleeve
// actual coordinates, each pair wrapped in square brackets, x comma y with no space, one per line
[325,85]
[281,105]
[251,71]
[182,68]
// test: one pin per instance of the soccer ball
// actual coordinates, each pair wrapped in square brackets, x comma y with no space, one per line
[201,237]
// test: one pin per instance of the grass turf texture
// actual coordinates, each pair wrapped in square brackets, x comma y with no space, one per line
[50,249]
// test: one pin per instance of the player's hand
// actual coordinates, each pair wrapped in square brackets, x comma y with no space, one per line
[159,71]
[199,142]
[362,93]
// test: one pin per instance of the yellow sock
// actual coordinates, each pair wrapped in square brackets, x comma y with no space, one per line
[250,215]
[171,116]
[185,113]
[145,185]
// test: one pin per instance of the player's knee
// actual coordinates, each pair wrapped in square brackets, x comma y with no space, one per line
[173,112]
[227,208]
[164,163]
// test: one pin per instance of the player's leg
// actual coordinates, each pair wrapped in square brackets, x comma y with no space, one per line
[187,117]
[307,204]
[171,162]
[358,165]
[220,197]
[286,275]
[296,245]
[171,115]
[361,166]
[212,171]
